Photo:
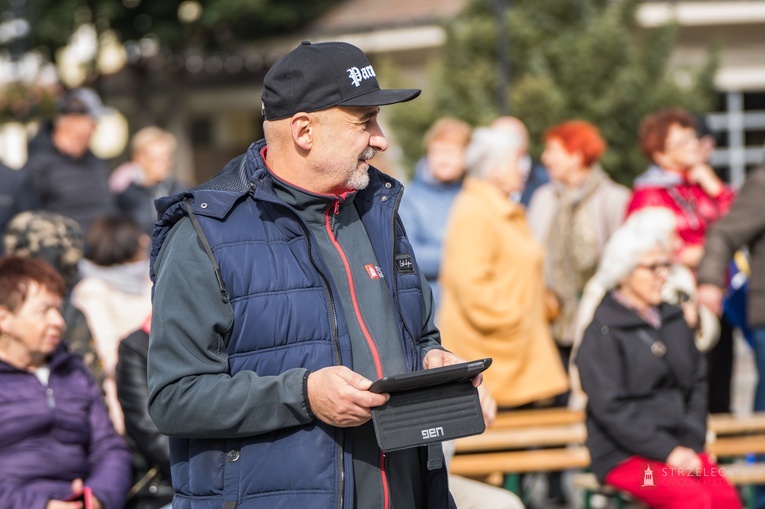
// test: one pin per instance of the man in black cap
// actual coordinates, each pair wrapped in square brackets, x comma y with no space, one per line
[67,177]
[283,287]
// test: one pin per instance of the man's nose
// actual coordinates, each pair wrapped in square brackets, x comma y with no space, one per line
[377,139]
[379,143]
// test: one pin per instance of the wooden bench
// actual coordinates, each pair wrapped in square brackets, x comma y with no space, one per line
[537,417]
[553,439]
[729,437]
[733,424]
[499,439]
[523,441]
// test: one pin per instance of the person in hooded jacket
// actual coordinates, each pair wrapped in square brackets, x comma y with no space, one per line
[114,293]
[283,287]
[55,435]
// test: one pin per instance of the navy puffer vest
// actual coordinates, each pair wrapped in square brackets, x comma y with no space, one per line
[286,316]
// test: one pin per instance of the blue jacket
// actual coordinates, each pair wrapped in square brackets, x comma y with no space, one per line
[425,212]
[279,287]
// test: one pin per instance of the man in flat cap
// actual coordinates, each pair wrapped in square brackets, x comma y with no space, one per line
[283,287]
[67,177]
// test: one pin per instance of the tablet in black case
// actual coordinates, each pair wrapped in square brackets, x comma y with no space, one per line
[429,377]
[429,406]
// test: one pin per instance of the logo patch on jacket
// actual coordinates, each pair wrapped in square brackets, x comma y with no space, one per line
[404,264]
[374,271]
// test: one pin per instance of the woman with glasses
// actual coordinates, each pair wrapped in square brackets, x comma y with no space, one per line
[57,444]
[680,179]
[645,383]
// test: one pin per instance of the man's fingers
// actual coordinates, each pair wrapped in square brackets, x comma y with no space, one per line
[339,396]
[354,379]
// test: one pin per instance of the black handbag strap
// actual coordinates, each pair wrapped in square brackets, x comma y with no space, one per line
[651,342]
[692,212]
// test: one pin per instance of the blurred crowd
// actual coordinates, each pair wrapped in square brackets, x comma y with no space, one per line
[592,295]
[532,263]
[76,241]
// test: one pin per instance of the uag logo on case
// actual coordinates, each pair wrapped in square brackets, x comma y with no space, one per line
[432,433]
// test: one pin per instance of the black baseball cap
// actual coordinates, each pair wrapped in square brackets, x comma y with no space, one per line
[314,77]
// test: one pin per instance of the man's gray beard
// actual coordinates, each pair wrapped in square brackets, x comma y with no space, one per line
[359,179]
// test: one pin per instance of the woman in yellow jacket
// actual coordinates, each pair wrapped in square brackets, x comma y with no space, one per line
[493,291]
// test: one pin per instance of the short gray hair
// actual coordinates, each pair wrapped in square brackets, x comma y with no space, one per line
[643,230]
[489,147]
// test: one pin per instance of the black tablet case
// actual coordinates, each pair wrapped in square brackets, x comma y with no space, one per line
[431,414]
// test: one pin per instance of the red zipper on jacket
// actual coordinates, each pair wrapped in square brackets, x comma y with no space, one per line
[367,336]
[335,209]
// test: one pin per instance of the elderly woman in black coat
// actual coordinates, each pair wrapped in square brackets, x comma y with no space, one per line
[645,383]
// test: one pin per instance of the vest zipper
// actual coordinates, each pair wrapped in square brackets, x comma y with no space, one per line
[338,354]
[329,220]
[335,335]
[50,398]
[413,342]
[330,214]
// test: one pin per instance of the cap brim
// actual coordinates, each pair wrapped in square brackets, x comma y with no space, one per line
[99,113]
[383,97]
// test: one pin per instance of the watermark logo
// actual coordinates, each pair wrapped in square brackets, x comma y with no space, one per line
[704,476]
[648,478]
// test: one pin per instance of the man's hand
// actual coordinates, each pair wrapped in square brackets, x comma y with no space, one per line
[685,459]
[340,397]
[710,296]
[437,358]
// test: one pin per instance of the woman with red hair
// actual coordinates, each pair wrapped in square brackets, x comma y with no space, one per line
[679,179]
[573,216]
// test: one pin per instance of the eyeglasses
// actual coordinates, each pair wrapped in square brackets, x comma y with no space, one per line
[682,143]
[656,266]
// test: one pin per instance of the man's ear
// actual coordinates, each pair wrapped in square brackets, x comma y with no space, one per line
[302,125]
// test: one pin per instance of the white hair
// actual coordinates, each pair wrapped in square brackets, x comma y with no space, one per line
[654,218]
[642,231]
[488,148]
